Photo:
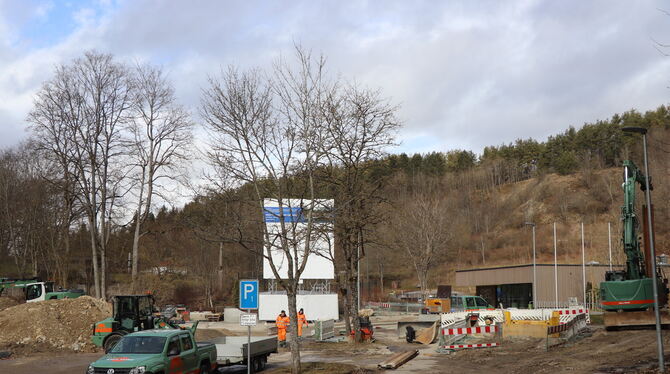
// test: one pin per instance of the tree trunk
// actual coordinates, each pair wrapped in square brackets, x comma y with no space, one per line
[353,288]
[293,329]
[94,257]
[220,271]
[136,244]
[381,279]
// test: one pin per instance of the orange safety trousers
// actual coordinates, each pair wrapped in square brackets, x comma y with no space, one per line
[282,324]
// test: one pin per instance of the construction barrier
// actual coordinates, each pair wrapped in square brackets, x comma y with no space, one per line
[482,345]
[496,315]
[458,333]
[470,330]
[566,331]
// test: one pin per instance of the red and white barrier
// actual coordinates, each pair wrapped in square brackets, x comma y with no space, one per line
[566,315]
[470,330]
[482,345]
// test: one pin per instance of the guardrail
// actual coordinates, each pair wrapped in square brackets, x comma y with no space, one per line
[395,306]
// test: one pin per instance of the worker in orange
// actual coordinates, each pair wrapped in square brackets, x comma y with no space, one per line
[302,320]
[282,325]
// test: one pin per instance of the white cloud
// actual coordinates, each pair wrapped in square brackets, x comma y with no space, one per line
[467,74]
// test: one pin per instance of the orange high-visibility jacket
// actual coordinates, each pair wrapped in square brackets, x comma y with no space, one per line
[302,319]
[282,322]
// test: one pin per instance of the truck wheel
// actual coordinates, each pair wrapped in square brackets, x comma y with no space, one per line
[111,341]
[204,369]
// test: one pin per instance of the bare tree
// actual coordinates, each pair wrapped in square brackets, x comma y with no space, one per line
[360,127]
[160,137]
[266,134]
[423,234]
[84,108]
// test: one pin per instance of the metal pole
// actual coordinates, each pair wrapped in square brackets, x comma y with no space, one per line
[534,273]
[659,338]
[249,346]
[555,269]
[583,267]
[609,238]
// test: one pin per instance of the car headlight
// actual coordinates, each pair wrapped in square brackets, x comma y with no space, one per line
[90,369]
[138,370]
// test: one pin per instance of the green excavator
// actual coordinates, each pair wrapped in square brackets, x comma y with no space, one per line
[627,295]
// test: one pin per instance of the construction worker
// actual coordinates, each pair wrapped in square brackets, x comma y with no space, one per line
[282,325]
[302,320]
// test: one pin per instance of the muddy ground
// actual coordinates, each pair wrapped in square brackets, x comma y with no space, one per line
[597,352]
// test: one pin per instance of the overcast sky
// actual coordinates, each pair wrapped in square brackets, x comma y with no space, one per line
[466,73]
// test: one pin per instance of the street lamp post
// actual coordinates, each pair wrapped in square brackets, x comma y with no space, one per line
[652,250]
[532,224]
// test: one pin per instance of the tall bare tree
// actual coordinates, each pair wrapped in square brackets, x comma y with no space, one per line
[159,144]
[85,107]
[423,233]
[266,131]
[360,127]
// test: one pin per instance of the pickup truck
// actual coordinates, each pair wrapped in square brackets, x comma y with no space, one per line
[170,351]
[157,352]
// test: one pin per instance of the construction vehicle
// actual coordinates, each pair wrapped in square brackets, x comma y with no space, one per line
[440,303]
[627,295]
[36,290]
[131,313]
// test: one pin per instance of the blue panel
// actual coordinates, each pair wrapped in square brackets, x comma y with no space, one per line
[271,214]
[249,294]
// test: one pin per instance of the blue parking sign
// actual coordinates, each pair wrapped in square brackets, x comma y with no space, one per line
[249,294]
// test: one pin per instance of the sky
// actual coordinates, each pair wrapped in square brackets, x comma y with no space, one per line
[466,74]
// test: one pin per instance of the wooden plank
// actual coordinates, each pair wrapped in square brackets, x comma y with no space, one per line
[398,359]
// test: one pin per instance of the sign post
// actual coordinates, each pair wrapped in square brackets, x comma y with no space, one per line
[248,301]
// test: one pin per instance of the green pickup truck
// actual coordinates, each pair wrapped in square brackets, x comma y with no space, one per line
[157,352]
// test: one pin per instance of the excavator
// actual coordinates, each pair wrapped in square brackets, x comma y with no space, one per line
[627,295]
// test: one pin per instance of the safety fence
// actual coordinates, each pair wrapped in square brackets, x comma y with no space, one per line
[395,307]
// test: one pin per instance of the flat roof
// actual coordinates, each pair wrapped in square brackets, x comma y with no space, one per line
[531,265]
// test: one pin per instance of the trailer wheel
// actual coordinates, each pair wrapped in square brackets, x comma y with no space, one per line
[204,368]
[257,363]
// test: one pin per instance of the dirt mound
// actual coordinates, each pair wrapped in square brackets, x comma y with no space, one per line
[53,325]
[6,302]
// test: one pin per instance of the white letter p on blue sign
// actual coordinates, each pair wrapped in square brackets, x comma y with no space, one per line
[249,294]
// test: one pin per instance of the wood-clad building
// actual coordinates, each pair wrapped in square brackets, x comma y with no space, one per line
[512,286]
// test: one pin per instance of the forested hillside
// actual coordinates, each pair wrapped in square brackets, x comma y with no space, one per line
[438,212]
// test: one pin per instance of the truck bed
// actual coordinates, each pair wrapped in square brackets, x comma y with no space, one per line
[233,349]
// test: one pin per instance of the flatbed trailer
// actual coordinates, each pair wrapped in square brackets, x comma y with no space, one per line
[232,350]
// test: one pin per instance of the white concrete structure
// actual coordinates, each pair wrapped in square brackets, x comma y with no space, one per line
[294,211]
[316,306]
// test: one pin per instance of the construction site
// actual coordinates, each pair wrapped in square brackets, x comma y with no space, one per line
[534,317]
[334,187]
